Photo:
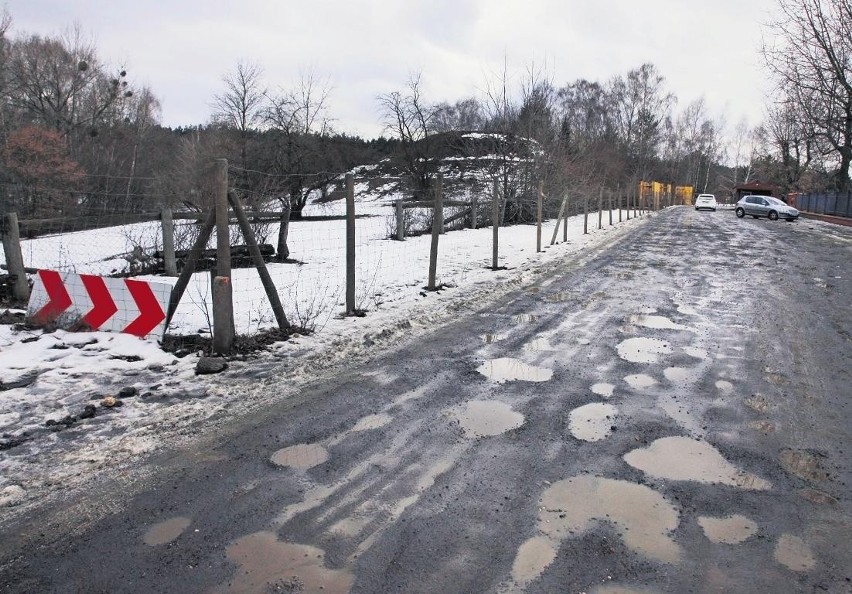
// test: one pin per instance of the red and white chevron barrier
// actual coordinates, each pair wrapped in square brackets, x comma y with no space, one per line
[85,301]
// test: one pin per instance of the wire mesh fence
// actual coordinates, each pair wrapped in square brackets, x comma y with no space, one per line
[304,249]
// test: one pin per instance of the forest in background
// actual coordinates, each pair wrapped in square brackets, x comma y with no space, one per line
[77,136]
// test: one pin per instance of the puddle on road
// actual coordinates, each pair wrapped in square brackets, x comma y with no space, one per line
[681,375]
[758,403]
[301,456]
[525,318]
[492,338]
[765,427]
[166,531]
[731,530]
[819,497]
[538,345]
[724,386]
[804,465]
[643,350]
[793,553]
[508,369]
[592,422]
[557,297]
[483,418]
[685,459]
[656,322]
[642,517]
[267,564]
[532,559]
[697,353]
[603,389]
[372,422]
[640,380]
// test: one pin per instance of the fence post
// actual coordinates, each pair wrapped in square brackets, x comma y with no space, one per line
[437,226]
[15,259]
[223,302]
[565,221]
[168,228]
[600,209]
[400,220]
[495,222]
[350,244]
[609,204]
[539,205]
[473,211]
[618,202]
[586,216]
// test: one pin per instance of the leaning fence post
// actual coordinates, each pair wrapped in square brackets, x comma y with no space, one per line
[350,244]
[437,224]
[400,220]
[223,303]
[495,223]
[538,216]
[15,258]
[168,229]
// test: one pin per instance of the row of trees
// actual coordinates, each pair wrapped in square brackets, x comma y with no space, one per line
[78,135]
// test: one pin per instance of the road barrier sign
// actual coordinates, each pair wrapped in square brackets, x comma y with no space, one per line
[88,302]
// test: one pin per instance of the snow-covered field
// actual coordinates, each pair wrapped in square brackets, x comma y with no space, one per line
[56,429]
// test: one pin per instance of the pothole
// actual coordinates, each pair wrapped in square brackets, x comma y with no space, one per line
[592,422]
[166,531]
[301,456]
[730,530]
[686,459]
[372,422]
[643,350]
[508,369]
[655,322]
[483,418]
[794,553]
[804,465]
[603,389]
[640,380]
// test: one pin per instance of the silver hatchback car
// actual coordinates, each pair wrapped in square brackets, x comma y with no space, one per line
[765,206]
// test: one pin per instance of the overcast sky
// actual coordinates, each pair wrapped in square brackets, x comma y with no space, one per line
[181,49]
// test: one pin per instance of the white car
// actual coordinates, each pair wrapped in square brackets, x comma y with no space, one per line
[705,201]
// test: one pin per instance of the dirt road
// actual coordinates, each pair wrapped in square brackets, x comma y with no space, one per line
[669,414]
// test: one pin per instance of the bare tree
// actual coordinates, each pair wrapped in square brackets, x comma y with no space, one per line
[811,58]
[240,107]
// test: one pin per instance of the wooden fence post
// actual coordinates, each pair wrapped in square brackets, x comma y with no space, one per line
[168,229]
[400,220]
[15,259]
[559,220]
[539,205]
[223,302]
[350,244]
[495,222]
[437,225]
[473,211]
[609,205]
[618,201]
[257,258]
[565,221]
[586,216]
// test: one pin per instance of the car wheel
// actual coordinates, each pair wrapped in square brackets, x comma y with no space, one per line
[773,216]
[740,213]
[755,217]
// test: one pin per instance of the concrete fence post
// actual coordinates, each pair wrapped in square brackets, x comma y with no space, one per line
[168,230]
[350,244]
[15,259]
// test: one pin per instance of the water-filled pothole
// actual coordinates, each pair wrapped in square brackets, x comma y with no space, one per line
[301,456]
[592,422]
[655,322]
[643,350]
[372,422]
[686,459]
[483,418]
[603,389]
[794,553]
[166,531]
[508,369]
[731,530]
[640,380]
[267,564]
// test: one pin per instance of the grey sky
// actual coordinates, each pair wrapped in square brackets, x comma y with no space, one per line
[182,48]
